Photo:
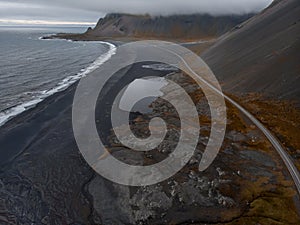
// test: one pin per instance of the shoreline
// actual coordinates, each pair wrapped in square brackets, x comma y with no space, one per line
[39,153]
[26,119]
[38,146]
[13,111]
[117,40]
[25,126]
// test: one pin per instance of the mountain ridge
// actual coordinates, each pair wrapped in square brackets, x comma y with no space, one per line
[173,26]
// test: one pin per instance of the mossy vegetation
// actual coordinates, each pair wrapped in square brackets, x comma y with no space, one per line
[264,200]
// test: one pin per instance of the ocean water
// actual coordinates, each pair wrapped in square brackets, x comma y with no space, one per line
[32,69]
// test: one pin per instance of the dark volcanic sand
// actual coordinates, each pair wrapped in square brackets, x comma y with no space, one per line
[45,180]
[42,171]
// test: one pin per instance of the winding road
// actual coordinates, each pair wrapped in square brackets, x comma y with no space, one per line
[273,140]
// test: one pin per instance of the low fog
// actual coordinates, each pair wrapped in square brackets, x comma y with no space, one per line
[91,10]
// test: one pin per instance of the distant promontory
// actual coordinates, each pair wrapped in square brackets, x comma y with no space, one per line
[187,27]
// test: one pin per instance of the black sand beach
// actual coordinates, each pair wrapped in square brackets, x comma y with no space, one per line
[45,180]
[39,156]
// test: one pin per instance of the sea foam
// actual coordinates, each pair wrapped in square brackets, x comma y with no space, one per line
[11,112]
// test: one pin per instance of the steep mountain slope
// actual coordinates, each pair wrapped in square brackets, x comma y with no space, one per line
[176,26]
[262,54]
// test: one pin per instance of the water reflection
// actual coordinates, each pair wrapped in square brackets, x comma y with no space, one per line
[150,88]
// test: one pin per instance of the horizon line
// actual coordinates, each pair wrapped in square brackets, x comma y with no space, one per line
[8,22]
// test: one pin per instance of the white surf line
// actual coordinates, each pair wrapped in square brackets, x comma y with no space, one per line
[12,112]
[284,156]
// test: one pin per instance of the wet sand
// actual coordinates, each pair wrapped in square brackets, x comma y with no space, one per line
[38,146]
[45,180]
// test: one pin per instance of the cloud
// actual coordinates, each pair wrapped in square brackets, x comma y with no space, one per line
[32,11]
[91,10]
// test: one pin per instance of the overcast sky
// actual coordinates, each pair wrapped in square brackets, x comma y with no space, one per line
[89,11]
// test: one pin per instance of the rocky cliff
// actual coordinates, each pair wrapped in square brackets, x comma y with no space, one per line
[172,27]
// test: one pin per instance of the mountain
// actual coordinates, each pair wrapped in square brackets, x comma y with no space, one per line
[262,54]
[169,27]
